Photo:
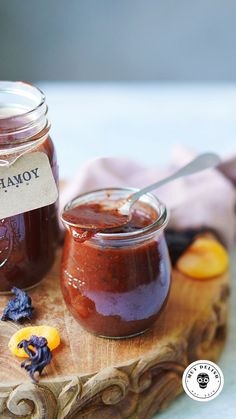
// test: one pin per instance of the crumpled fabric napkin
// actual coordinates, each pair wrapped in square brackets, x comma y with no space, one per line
[206,199]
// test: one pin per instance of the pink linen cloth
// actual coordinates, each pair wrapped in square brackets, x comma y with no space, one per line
[207,199]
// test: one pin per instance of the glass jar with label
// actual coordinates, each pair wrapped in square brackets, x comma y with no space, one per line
[29,228]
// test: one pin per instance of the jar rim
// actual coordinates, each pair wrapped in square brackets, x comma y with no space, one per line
[158,225]
[31,121]
[16,86]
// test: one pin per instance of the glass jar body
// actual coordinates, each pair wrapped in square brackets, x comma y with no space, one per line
[27,241]
[116,288]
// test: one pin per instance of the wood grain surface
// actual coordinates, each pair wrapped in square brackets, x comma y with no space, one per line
[91,377]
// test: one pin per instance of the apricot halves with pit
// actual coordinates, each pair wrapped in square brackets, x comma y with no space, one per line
[204,258]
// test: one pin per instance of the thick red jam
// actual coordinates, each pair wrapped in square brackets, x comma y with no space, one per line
[116,284]
[28,240]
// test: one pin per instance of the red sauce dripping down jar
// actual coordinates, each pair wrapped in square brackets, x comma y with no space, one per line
[27,241]
[116,283]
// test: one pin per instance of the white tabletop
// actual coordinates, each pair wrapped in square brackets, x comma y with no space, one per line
[143,121]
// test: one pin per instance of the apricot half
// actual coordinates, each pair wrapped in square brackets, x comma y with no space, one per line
[204,258]
[50,333]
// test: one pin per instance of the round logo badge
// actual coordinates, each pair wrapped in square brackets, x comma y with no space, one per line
[203,380]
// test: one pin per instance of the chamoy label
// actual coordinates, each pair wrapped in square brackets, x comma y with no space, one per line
[26,185]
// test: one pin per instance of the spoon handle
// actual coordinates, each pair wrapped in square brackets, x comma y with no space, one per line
[201,162]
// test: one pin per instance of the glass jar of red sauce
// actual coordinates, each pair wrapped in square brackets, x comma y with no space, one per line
[115,283]
[28,240]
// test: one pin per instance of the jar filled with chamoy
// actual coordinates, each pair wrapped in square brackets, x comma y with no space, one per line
[29,230]
[116,282]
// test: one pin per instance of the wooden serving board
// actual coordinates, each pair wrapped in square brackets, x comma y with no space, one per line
[91,377]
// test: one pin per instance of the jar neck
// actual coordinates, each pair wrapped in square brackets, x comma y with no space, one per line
[23,114]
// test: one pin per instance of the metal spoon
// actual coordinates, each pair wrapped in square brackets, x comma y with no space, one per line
[201,162]
[113,217]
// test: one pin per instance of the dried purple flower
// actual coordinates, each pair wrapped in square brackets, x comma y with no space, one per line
[18,308]
[38,358]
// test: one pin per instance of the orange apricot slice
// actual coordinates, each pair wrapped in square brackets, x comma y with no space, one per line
[204,258]
[50,333]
